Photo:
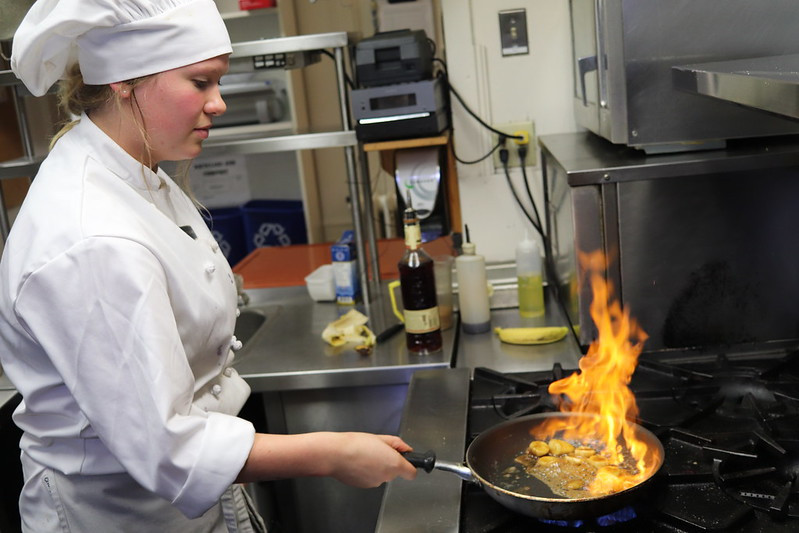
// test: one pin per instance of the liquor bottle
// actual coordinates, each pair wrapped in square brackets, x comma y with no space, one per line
[418,288]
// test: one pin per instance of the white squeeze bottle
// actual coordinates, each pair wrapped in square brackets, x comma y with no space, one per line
[528,273]
[470,269]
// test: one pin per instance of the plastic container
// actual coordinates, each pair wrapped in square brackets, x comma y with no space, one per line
[473,304]
[274,223]
[227,227]
[321,284]
[530,279]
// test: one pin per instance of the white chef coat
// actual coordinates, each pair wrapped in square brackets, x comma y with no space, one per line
[116,326]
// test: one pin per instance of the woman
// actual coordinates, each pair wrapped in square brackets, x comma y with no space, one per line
[117,308]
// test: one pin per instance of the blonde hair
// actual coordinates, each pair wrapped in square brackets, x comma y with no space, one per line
[75,97]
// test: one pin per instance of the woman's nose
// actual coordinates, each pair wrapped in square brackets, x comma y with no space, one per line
[215,106]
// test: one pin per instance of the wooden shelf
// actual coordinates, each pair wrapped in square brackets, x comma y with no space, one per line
[286,266]
[420,142]
[387,150]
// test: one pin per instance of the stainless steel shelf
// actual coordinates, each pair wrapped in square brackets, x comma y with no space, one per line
[16,168]
[7,77]
[285,45]
[766,83]
[282,143]
[249,131]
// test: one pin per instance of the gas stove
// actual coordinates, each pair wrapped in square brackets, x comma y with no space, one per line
[729,424]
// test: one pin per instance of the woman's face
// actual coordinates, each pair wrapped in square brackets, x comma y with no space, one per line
[177,106]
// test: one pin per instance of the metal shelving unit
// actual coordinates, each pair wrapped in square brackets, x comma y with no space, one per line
[27,165]
[297,52]
[282,52]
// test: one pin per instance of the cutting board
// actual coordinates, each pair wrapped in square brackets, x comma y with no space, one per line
[286,266]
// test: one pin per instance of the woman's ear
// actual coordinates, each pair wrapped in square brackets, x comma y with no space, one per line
[121,89]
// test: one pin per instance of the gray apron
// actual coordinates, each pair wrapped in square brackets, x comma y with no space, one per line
[52,502]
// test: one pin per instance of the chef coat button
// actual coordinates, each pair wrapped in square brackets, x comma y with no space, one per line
[228,372]
[216,390]
[210,268]
[214,246]
[235,343]
[238,312]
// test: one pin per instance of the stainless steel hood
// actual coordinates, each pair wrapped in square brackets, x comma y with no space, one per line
[766,83]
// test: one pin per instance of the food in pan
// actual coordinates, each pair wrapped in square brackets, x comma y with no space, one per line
[567,468]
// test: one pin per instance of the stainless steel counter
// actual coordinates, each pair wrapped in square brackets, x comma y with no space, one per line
[288,352]
[486,350]
[434,419]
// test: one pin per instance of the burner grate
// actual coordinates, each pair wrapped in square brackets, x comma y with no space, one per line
[729,424]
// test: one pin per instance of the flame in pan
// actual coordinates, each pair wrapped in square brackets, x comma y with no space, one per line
[601,389]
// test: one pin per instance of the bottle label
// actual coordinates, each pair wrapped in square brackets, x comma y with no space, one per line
[422,320]
[413,236]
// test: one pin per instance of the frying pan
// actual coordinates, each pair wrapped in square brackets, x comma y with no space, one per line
[494,450]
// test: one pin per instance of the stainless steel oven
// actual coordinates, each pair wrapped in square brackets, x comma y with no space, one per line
[624,51]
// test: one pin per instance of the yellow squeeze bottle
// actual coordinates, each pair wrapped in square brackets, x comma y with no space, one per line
[529,277]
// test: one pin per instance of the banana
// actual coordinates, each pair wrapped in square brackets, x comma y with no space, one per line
[350,328]
[531,335]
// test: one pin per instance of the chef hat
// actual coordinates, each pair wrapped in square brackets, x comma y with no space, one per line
[114,40]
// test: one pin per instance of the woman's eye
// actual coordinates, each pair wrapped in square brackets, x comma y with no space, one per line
[200,84]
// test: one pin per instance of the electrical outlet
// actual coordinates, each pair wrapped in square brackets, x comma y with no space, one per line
[513,160]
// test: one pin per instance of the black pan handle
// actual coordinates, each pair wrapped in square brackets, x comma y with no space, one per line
[426,461]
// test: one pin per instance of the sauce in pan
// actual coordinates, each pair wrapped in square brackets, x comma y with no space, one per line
[569,469]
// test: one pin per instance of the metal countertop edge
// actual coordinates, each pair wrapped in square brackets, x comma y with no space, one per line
[340,377]
[6,397]
[434,418]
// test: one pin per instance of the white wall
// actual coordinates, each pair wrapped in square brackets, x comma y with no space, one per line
[536,86]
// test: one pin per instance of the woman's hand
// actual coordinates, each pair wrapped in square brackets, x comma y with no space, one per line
[359,459]
[365,460]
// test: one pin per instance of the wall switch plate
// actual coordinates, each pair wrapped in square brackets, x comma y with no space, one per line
[513,160]
[513,32]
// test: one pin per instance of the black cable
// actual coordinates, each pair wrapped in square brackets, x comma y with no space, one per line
[549,262]
[443,65]
[432,45]
[549,265]
[445,74]
[459,160]
[522,151]
[347,79]
[503,156]
[502,135]
[474,115]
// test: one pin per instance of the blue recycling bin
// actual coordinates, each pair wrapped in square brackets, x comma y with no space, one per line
[227,227]
[274,223]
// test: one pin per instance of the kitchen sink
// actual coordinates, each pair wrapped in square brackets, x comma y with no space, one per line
[248,323]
